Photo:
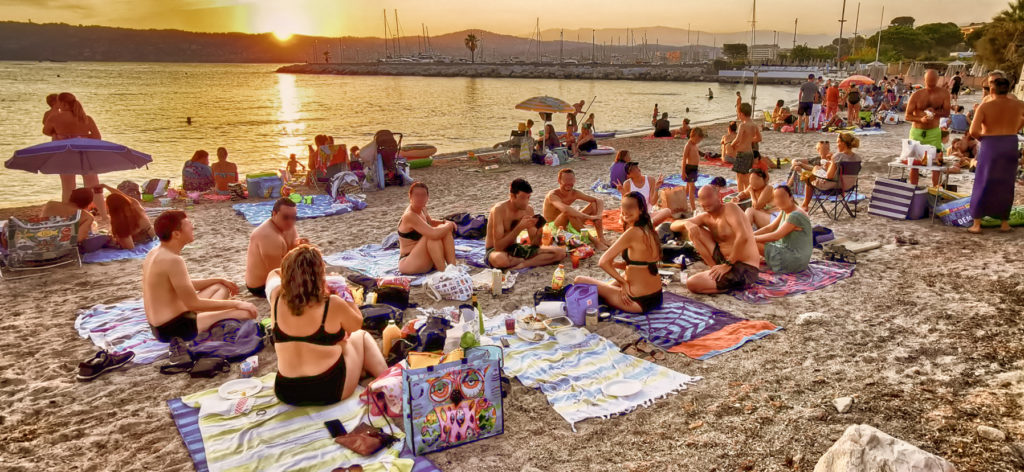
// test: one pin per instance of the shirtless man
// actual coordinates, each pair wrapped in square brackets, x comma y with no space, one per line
[177,307]
[504,223]
[268,244]
[558,207]
[742,146]
[995,125]
[725,242]
[925,108]
[224,172]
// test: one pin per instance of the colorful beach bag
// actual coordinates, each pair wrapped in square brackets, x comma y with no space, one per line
[956,212]
[452,404]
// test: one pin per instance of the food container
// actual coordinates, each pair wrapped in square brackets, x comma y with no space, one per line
[558,323]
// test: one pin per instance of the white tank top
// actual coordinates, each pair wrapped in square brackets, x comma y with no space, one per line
[645,190]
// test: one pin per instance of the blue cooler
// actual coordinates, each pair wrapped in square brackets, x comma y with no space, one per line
[263,185]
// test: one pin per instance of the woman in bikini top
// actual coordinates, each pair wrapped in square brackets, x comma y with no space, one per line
[425,244]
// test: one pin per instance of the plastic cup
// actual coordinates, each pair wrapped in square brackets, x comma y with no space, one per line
[575,260]
[510,325]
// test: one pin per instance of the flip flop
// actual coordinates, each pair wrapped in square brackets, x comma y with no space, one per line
[649,349]
[972,231]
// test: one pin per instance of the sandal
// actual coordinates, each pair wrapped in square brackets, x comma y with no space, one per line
[649,349]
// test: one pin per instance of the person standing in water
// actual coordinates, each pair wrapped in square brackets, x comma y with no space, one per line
[71,121]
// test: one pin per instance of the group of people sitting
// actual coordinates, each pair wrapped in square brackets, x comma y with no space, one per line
[198,175]
[576,145]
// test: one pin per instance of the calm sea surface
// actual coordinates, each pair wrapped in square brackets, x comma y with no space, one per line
[261,116]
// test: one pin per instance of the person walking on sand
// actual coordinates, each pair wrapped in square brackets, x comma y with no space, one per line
[558,208]
[504,223]
[725,242]
[996,124]
[424,244]
[71,121]
[224,172]
[808,94]
[924,110]
[268,244]
[747,133]
[177,307]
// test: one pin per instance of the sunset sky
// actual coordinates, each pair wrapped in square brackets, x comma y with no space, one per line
[364,17]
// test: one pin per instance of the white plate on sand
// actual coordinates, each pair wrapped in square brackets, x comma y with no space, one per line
[569,336]
[239,388]
[530,335]
[621,388]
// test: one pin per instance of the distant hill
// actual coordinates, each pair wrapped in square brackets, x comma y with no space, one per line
[678,36]
[63,42]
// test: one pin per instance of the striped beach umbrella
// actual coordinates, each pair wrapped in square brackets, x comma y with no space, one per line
[77,156]
[545,104]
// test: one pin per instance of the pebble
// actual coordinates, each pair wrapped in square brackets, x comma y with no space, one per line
[843,404]
[810,317]
[991,434]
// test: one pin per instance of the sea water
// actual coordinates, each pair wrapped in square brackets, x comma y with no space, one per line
[261,116]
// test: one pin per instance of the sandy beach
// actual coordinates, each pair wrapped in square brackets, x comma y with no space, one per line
[926,338]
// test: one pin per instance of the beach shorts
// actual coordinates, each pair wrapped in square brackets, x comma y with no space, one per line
[804,108]
[588,146]
[741,276]
[744,161]
[930,137]
[182,326]
[691,173]
[521,251]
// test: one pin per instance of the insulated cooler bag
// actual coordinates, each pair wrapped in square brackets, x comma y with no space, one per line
[891,199]
[454,403]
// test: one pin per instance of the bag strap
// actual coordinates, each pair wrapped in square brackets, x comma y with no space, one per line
[431,291]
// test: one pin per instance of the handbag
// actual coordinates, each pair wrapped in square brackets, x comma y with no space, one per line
[209,367]
[578,299]
[367,439]
[376,317]
[454,283]
[386,393]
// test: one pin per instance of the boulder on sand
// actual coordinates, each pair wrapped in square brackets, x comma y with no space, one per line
[863,448]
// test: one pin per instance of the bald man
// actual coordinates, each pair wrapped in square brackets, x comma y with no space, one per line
[925,108]
[725,241]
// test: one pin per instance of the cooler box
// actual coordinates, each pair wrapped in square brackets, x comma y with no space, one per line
[891,199]
[263,185]
[918,205]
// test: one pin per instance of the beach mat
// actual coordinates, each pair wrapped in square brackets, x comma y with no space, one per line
[373,260]
[275,436]
[112,254]
[818,275]
[571,376]
[323,205]
[695,329]
[121,326]
[674,180]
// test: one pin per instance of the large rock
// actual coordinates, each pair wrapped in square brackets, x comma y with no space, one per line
[863,448]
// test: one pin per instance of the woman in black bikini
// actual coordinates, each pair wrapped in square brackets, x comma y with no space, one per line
[129,224]
[322,365]
[637,289]
[424,243]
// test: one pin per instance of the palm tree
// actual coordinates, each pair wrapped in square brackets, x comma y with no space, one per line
[472,42]
[1015,13]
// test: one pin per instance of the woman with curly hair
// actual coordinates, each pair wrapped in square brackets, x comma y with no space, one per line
[321,350]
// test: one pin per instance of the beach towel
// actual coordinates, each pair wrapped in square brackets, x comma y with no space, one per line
[869,131]
[610,220]
[119,327]
[818,275]
[275,436]
[323,205]
[674,180]
[695,329]
[571,376]
[109,254]
[375,260]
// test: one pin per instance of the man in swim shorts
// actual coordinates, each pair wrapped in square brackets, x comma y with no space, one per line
[178,307]
[808,95]
[724,239]
[504,223]
[269,243]
[558,208]
[742,146]
[925,108]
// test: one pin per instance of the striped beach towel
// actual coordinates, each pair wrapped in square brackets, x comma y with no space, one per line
[108,254]
[376,261]
[695,329]
[818,275]
[119,327]
[275,436]
[571,376]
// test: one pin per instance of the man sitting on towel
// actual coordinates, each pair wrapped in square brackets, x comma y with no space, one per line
[558,208]
[504,223]
[269,243]
[725,241]
[178,307]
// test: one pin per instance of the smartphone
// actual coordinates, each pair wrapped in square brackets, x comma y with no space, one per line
[335,428]
[504,342]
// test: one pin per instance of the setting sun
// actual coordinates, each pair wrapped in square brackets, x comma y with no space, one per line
[282,35]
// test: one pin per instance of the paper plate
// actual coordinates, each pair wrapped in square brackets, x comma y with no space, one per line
[239,388]
[569,336]
[530,335]
[621,388]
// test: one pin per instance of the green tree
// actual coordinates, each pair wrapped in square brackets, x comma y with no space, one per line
[1001,45]
[907,21]
[735,51]
[1015,13]
[903,41]
[472,42]
[942,36]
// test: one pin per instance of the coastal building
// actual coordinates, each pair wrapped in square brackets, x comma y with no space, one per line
[764,52]
[968,29]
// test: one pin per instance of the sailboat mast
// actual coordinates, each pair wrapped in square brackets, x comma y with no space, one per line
[856,27]
[753,25]
[386,55]
[839,47]
[398,34]
[880,20]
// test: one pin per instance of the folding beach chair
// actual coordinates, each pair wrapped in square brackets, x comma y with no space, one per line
[768,121]
[39,244]
[831,200]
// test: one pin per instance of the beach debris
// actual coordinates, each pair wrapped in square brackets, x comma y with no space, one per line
[696,424]
[991,433]
[810,317]
[862,448]
[843,404]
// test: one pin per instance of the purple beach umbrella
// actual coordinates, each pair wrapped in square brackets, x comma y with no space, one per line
[77,156]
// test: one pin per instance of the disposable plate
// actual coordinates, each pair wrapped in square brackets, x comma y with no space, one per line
[530,335]
[621,388]
[569,336]
[239,388]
